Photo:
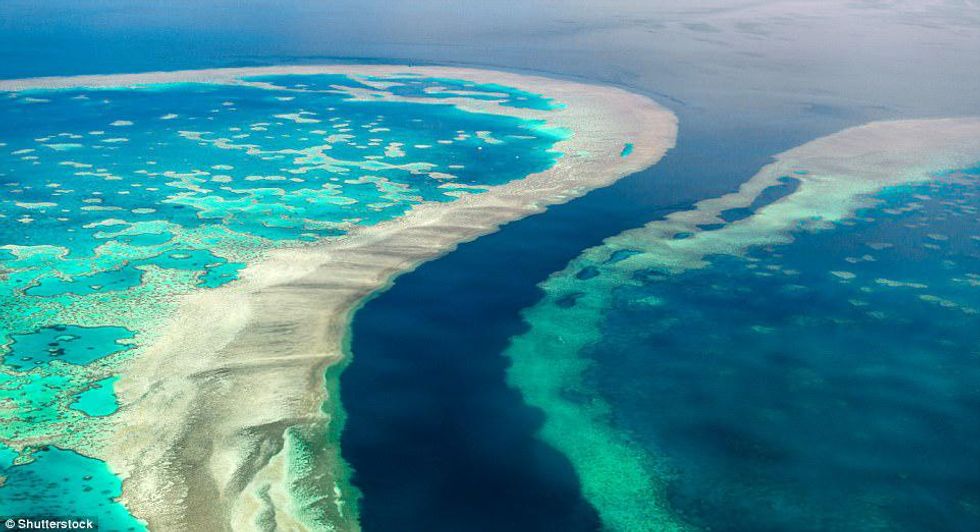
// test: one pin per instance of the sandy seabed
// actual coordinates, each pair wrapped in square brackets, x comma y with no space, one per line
[224,420]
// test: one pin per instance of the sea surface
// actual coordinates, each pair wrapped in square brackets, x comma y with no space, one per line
[755,418]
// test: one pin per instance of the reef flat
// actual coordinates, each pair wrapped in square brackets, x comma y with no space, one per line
[199,240]
[655,336]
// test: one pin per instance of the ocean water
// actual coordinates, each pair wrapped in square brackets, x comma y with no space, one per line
[747,79]
[825,384]
[118,200]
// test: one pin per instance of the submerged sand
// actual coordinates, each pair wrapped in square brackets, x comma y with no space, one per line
[837,174]
[223,424]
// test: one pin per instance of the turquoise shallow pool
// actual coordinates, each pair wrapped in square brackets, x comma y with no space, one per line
[59,482]
[115,201]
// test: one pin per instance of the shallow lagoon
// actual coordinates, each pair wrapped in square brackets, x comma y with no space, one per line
[118,200]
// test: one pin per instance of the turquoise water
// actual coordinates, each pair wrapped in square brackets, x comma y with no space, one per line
[69,343]
[56,482]
[99,400]
[825,384]
[116,201]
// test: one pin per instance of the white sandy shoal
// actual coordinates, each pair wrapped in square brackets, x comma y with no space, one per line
[201,437]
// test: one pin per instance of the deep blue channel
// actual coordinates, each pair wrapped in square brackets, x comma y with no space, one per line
[436,438]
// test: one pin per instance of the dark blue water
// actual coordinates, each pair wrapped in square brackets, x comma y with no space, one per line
[787,185]
[437,439]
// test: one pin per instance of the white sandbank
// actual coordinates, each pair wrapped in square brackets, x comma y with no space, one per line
[214,412]
[837,173]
